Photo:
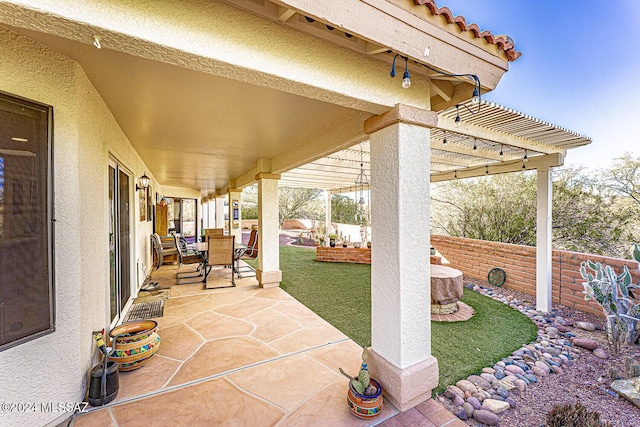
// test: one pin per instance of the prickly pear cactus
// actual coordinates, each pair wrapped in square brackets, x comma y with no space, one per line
[363,375]
[362,384]
[617,296]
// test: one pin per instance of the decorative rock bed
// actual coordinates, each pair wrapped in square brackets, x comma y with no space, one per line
[482,398]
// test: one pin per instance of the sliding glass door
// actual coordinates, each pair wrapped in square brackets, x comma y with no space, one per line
[119,240]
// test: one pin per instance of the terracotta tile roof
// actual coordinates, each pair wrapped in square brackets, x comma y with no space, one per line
[503,42]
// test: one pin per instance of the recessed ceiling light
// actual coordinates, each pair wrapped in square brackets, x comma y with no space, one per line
[18,139]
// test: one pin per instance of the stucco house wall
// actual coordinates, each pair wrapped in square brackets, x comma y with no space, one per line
[55,366]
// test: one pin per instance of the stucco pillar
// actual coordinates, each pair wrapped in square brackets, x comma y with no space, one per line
[543,240]
[400,274]
[235,213]
[268,274]
[220,211]
[204,208]
[327,218]
[211,214]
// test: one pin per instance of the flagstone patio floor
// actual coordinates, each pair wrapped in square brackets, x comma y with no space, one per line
[245,356]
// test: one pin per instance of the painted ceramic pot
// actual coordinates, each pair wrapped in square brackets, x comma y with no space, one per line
[365,407]
[134,344]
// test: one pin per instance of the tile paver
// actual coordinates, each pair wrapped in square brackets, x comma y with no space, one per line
[246,356]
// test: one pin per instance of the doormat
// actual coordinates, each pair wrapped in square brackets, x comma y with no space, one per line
[149,296]
[145,310]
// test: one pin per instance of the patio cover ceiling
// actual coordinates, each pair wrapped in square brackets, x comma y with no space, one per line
[493,130]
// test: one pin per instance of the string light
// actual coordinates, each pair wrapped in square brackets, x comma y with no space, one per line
[406,77]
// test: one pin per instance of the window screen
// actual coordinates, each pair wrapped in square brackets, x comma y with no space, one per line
[26,273]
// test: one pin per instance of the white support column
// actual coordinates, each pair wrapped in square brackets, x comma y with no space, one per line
[327,218]
[204,224]
[400,278]
[220,211]
[211,214]
[543,240]
[268,274]
[235,214]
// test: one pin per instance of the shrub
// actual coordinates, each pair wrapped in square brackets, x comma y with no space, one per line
[575,415]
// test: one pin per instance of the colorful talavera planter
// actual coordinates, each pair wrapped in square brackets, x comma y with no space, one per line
[134,343]
[365,407]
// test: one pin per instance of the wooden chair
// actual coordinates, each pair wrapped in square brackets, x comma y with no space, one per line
[188,258]
[220,253]
[213,232]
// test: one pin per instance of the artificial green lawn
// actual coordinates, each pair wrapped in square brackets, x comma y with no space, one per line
[341,294]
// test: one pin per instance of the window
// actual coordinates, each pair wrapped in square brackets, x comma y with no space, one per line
[26,209]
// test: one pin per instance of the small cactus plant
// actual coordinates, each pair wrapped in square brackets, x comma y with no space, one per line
[575,415]
[362,383]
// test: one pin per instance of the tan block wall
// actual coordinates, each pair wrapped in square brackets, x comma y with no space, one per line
[353,255]
[476,257]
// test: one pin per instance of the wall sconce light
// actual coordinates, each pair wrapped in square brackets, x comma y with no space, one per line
[96,42]
[406,76]
[143,182]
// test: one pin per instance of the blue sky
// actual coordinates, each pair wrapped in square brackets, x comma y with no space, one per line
[579,69]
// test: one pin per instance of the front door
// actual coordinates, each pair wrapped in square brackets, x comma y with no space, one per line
[119,240]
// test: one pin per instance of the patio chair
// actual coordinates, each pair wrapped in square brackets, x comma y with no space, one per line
[163,247]
[213,232]
[250,253]
[220,253]
[186,257]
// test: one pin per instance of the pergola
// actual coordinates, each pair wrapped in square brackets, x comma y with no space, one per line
[502,137]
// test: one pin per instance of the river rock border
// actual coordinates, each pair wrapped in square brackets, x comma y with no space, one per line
[485,396]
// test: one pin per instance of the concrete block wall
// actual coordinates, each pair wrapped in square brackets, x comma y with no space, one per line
[475,258]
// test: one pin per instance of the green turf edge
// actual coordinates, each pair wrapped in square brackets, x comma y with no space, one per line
[340,293]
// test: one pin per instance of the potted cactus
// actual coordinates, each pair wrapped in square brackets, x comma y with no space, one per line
[365,394]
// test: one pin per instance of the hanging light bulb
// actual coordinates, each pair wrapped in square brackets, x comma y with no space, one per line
[501,152]
[476,96]
[525,159]
[406,77]
[444,138]
[455,174]
[475,146]
[486,170]
[458,120]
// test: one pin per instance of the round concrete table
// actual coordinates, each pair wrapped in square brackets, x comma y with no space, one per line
[446,289]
